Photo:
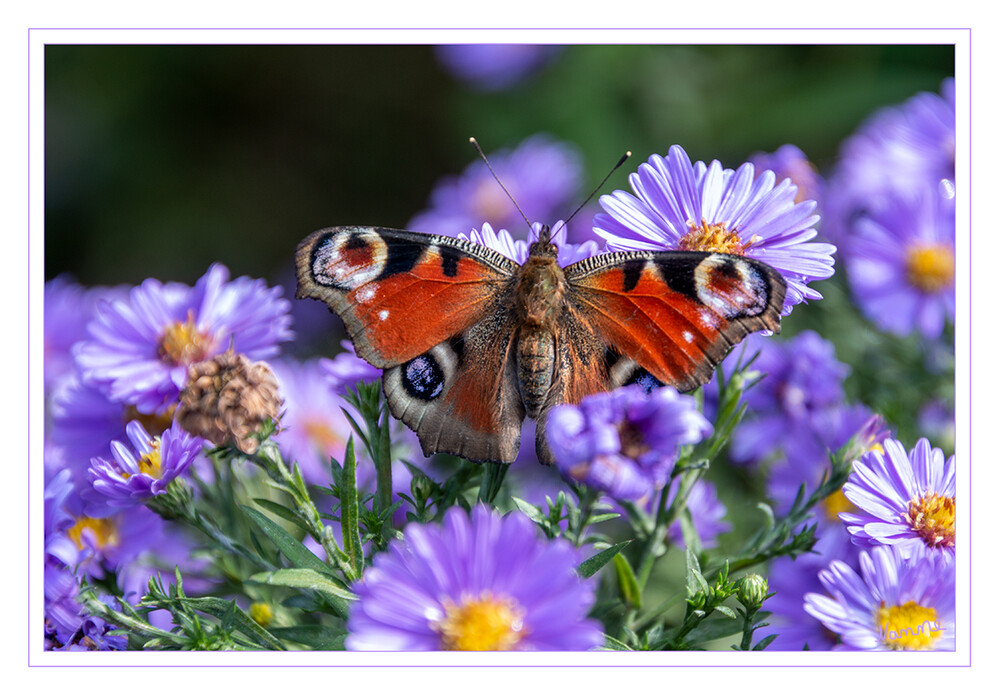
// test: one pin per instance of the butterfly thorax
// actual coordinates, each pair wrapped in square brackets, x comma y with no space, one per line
[540,298]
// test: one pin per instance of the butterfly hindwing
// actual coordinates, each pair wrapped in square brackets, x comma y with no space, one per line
[400,293]
[462,396]
[673,314]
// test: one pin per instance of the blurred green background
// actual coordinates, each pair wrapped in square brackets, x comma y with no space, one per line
[160,160]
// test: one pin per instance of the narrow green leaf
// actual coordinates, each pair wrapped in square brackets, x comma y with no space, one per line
[290,547]
[280,510]
[630,591]
[764,643]
[317,637]
[587,568]
[304,579]
[725,610]
[695,580]
[229,611]
[349,528]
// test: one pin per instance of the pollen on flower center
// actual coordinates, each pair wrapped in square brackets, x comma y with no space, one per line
[152,463]
[183,344]
[932,517]
[633,441]
[486,623]
[930,267]
[105,531]
[712,237]
[909,626]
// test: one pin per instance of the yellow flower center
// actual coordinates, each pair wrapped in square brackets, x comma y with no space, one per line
[323,436]
[483,624]
[154,424]
[712,237]
[105,531]
[151,463]
[909,626]
[932,517]
[183,344]
[836,503]
[261,613]
[930,267]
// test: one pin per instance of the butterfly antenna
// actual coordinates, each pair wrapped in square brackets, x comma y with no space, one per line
[624,158]
[482,154]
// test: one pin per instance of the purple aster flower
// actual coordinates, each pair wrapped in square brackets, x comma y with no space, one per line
[803,378]
[145,470]
[903,500]
[542,175]
[67,627]
[679,205]
[68,308]
[791,580]
[494,66]
[140,350]
[313,426]
[85,421]
[624,442]
[476,583]
[900,265]
[789,162]
[519,249]
[893,604]
[899,151]
[346,369]
[706,511]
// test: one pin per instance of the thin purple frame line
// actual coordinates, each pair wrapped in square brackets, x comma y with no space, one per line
[970,388]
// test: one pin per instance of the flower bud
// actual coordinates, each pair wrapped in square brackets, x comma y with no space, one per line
[752,591]
[227,399]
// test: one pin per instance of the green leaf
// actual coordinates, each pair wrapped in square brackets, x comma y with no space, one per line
[281,511]
[725,610]
[712,629]
[304,579]
[587,568]
[229,612]
[290,547]
[349,529]
[764,643]
[630,591]
[695,580]
[318,637]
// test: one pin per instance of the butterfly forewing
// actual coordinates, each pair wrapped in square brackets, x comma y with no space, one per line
[675,313]
[400,293]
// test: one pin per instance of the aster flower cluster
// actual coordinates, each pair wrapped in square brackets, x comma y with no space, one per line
[182,442]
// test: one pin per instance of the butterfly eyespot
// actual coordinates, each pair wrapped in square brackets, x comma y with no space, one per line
[423,378]
[644,379]
[730,286]
[349,259]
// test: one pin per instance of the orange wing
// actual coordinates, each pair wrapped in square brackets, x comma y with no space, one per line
[675,313]
[401,293]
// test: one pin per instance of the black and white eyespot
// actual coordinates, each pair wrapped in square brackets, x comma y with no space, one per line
[730,286]
[425,376]
[348,259]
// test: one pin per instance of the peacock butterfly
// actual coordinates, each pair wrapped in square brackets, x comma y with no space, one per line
[471,342]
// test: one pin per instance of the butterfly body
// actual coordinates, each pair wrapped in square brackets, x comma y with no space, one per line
[471,343]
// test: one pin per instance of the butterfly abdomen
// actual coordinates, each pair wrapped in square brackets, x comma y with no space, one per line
[535,367]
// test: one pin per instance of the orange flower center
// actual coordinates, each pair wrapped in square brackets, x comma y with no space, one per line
[932,517]
[483,624]
[713,237]
[930,267]
[323,436]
